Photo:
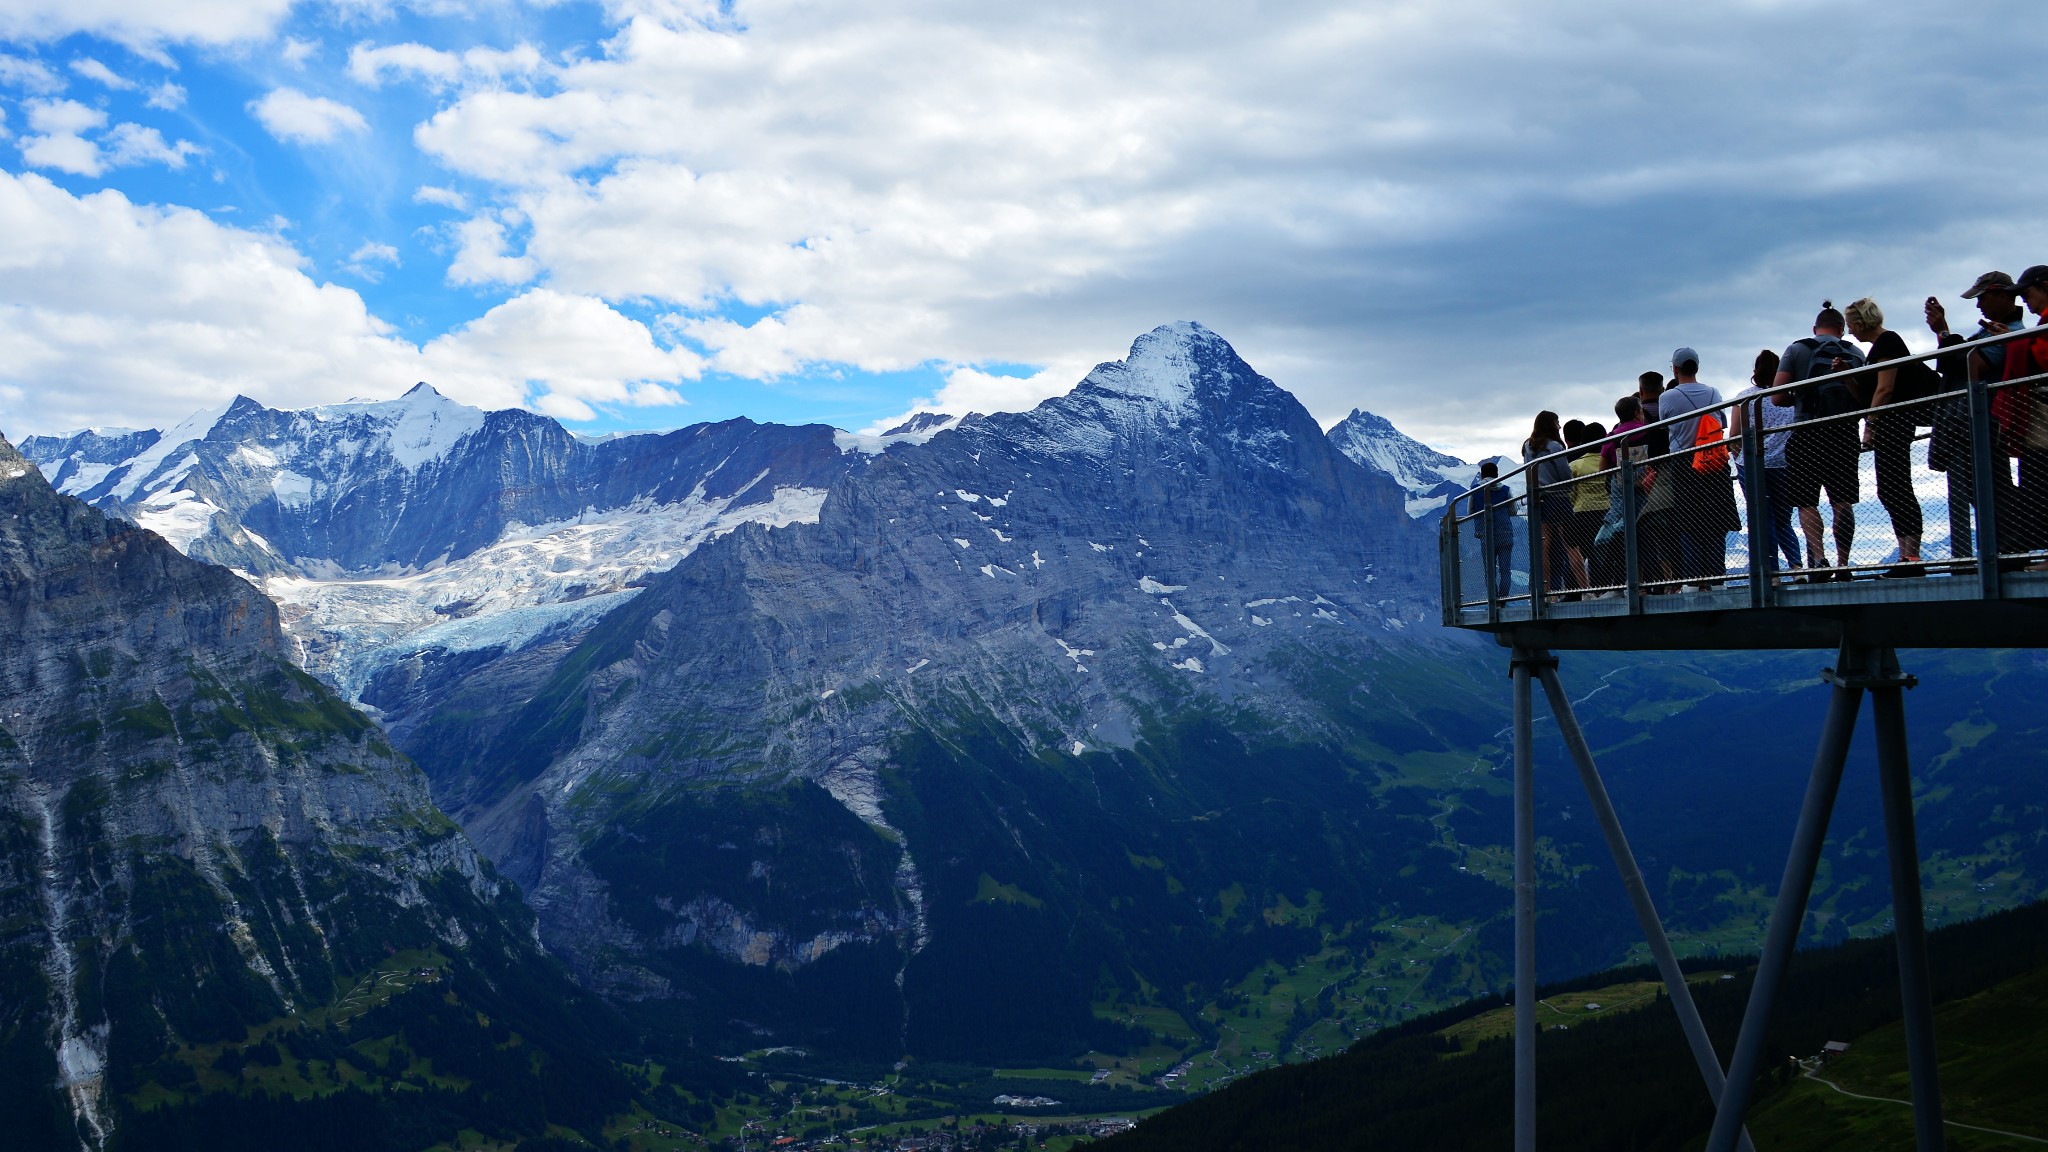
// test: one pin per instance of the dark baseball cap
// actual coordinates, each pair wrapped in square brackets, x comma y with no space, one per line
[2034,277]
[1989,282]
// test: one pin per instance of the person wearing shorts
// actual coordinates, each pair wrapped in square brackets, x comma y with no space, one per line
[1821,459]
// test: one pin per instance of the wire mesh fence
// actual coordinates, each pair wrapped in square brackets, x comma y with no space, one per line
[1891,471]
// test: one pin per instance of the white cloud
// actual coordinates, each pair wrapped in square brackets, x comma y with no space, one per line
[296,52]
[910,181]
[111,307]
[167,96]
[29,73]
[64,117]
[582,350]
[373,252]
[972,390]
[373,66]
[445,197]
[364,261]
[135,144]
[370,65]
[60,142]
[100,74]
[293,116]
[141,25]
[480,256]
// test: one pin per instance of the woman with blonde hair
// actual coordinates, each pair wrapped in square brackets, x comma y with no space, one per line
[1889,435]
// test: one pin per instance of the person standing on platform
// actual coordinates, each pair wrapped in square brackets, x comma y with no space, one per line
[2022,416]
[1589,508]
[1822,458]
[1649,393]
[1553,480]
[1889,435]
[1772,422]
[1705,505]
[1492,509]
[1950,451]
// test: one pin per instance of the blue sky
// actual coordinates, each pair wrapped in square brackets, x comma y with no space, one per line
[644,213]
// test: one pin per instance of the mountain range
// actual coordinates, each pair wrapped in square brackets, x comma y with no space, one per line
[1004,739]
[205,852]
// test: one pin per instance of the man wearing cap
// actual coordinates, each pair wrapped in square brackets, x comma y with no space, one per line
[1999,308]
[1704,499]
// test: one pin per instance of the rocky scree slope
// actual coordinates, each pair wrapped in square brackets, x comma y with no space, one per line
[842,781]
[196,837]
[390,529]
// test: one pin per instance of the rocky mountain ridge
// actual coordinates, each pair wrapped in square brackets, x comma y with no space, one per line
[1174,538]
[196,837]
[384,529]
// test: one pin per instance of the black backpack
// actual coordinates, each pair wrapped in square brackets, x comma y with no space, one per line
[1833,397]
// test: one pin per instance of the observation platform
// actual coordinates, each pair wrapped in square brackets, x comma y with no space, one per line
[1930,540]
[1679,565]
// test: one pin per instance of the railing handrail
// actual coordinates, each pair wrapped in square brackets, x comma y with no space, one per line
[1616,438]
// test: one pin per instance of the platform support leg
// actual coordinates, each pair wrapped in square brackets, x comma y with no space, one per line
[1525,906]
[1807,840]
[1638,892]
[1908,917]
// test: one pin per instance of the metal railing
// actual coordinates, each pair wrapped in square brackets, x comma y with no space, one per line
[1919,493]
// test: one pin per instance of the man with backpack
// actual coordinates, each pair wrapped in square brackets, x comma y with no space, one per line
[1822,458]
[1705,502]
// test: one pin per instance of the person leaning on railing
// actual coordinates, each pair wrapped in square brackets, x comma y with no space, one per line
[1950,451]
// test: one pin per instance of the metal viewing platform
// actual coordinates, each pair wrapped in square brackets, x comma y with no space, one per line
[1682,536]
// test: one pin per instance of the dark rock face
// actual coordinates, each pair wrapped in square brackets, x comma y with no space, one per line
[1025,593]
[195,836]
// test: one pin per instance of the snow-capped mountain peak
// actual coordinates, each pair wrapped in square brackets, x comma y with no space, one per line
[419,426]
[1430,477]
[1162,366]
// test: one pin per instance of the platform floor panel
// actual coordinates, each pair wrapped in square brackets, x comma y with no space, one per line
[1923,612]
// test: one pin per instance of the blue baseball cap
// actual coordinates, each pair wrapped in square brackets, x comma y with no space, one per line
[1682,355]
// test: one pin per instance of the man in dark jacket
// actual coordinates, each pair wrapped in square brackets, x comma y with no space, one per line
[1999,308]
[1493,523]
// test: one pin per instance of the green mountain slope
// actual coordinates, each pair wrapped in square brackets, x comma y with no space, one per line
[1622,1080]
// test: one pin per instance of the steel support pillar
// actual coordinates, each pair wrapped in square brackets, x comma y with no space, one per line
[1638,892]
[1807,839]
[1909,925]
[1525,903]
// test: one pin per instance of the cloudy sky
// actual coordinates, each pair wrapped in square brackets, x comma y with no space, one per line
[645,213]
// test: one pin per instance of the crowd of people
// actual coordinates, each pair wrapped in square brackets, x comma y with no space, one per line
[1854,388]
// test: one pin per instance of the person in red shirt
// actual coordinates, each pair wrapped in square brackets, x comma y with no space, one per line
[2023,424]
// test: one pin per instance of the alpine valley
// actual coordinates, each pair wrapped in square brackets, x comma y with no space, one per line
[1114,743]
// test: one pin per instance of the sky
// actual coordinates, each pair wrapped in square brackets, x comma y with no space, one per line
[647,213]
